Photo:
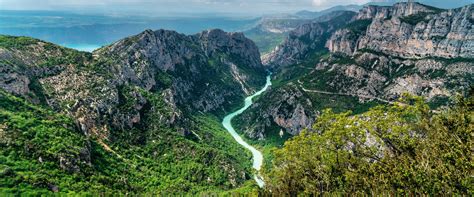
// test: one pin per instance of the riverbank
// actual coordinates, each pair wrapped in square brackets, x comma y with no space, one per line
[257,156]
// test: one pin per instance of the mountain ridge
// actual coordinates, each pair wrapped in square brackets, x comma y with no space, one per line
[306,67]
[147,100]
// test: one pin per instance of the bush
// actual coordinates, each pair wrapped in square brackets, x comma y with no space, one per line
[403,148]
[415,18]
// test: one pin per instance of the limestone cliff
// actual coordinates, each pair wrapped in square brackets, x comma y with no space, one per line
[305,39]
[410,30]
[113,88]
[374,57]
[143,110]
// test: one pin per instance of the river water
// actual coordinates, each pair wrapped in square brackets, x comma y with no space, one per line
[257,155]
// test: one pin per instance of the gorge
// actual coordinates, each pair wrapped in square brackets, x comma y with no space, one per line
[353,102]
[227,123]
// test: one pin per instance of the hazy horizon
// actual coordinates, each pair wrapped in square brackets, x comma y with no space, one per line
[160,8]
[173,8]
[87,25]
[196,7]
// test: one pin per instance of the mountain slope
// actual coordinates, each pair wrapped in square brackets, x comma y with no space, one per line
[380,54]
[411,30]
[270,31]
[147,105]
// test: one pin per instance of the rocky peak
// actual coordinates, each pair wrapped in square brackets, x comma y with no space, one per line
[113,87]
[232,43]
[397,10]
[375,56]
[162,47]
[409,30]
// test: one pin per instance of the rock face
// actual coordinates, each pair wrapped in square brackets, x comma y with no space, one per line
[374,75]
[288,108]
[397,10]
[195,63]
[305,39]
[279,25]
[376,55]
[114,87]
[148,100]
[411,30]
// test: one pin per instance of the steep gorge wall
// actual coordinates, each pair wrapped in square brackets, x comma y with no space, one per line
[411,30]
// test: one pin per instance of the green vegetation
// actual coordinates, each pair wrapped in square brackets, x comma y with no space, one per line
[439,101]
[452,60]
[401,149]
[42,151]
[358,27]
[339,103]
[68,56]
[415,18]
[292,73]
[438,38]
[37,91]
[38,148]
[11,42]
[266,41]
[471,20]
[53,55]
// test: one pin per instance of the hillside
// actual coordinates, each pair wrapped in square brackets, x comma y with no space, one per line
[143,110]
[366,102]
[270,31]
[401,148]
[363,63]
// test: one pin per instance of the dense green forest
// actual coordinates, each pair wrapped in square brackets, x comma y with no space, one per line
[404,148]
[42,151]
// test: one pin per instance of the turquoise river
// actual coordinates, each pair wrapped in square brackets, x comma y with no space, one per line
[257,155]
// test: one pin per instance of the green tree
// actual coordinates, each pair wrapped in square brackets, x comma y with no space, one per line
[403,148]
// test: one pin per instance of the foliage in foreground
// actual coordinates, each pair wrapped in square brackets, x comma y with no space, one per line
[42,151]
[403,148]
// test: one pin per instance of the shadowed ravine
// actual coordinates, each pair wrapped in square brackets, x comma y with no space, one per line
[257,155]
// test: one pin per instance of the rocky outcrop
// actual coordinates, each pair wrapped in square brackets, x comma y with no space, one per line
[397,10]
[342,41]
[147,100]
[161,72]
[287,108]
[305,39]
[382,76]
[187,60]
[411,30]
[375,56]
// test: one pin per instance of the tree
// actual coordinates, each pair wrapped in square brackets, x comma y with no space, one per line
[403,148]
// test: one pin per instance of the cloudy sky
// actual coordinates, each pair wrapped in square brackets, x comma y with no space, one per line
[161,7]
[177,5]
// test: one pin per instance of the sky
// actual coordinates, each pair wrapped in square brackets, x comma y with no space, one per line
[163,7]
[176,6]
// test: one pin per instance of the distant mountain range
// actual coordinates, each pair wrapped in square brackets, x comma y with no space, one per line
[76,30]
